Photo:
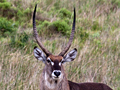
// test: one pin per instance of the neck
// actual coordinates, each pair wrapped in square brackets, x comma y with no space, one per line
[50,84]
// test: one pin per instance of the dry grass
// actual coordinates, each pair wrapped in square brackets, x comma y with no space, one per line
[98,60]
[94,63]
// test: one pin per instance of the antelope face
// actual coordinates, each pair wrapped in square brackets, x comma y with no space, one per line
[53,64]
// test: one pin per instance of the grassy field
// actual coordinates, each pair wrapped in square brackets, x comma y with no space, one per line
[97,39]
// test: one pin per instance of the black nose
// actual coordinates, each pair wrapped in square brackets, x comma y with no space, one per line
[57,73]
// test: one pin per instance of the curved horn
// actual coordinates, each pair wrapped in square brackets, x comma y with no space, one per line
[71,36]
[37,36]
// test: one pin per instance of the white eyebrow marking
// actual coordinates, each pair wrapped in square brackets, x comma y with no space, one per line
[52,63]
[59,63]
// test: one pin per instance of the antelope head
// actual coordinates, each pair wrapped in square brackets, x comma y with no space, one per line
[53,64]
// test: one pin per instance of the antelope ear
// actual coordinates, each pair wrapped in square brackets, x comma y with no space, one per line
[70,56]
[39,54]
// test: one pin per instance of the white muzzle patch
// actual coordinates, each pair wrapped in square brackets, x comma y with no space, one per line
[56,74]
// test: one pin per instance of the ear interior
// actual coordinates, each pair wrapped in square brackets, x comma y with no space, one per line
[70,56]
[39,54]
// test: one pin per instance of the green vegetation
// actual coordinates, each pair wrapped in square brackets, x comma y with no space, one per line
[22,40]
[5,5]
[7,28]
[97,39]
[61,26]
[64,13]
[19,14]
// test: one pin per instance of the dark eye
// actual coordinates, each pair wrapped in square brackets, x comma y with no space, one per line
[48,60]
[62,61]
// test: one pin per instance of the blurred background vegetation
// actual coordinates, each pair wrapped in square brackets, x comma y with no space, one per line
[97,39]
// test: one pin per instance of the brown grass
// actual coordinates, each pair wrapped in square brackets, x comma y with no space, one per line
[94,63]
[98,59]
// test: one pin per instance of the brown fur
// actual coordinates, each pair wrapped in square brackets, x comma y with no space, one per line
[53,58]
[88,86]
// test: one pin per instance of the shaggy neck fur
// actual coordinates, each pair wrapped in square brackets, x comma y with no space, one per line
[47,83]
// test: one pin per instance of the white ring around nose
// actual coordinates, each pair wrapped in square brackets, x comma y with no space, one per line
[53,75]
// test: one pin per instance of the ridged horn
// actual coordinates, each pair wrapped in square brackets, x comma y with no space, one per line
[71,36]
[37,36]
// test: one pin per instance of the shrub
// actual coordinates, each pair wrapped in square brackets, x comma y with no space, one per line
[43,27]
[64,13]
[20,14]
[6,10]
[7,28]
[28,13]
[20,40]
[2,0]
[61,26]
[5,5]
[57,26]
[45,24]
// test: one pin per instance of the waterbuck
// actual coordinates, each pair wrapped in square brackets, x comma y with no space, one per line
[53,76]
